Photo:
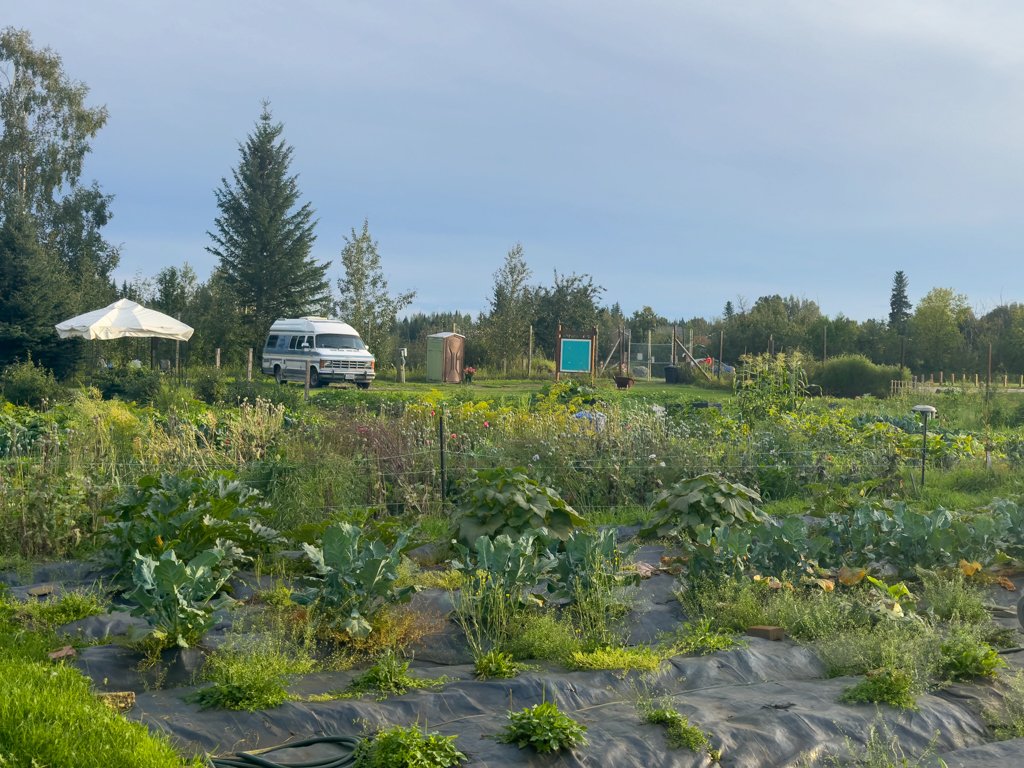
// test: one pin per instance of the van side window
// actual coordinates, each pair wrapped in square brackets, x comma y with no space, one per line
[271,342]
[291,344]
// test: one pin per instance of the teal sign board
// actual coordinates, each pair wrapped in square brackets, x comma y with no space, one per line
[575,356]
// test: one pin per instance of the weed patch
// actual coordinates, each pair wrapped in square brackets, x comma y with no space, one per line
[700,638]
[889,686]
[642,658]
[389,677]
[680,732]
[399,747]
[544,728]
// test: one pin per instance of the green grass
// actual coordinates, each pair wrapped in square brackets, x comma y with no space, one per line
[388,677]
[48,717]
[642,658]
[680,732]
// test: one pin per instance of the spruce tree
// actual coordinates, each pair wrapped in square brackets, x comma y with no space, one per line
[33,296]
[262,240]
[899,304]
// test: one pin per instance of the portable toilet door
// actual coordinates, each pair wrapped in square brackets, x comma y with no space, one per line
[446,353]
[454,354]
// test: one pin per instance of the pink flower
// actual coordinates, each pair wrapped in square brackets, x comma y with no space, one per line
[486,424]
[453,435]
[431,413]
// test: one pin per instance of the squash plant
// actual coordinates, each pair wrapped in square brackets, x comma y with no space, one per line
[353,579]
[177,599]
[708,500]
[186,513]
[508,502]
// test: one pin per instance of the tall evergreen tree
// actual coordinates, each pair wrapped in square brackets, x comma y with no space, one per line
[262,241]
[899,304]
[365,303]
[33,295]
[507,327]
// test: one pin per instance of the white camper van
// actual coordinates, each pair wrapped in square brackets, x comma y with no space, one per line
[333,349]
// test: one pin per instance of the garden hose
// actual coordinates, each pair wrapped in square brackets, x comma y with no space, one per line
[251,760]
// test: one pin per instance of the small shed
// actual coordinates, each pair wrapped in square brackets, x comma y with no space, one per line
[446,355]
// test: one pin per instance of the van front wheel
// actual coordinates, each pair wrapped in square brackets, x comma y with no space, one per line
[278,374]
[314,378]
[363,384]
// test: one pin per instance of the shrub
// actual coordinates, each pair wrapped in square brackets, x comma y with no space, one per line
[949,595]
[186,513]
[353,580]
[48,716]
[894,687]
[210,385]
[913,648]
[399,747]
[29,383]
[130,383]
[680,732]
[541,636]
[707,500]
[502,501]
[855,375]
[241,390]
[543,727]
[175,598]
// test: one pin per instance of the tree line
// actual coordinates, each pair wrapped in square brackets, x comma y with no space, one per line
[55,263]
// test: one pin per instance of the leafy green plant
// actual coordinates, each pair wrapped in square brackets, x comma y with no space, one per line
[250,674]
[950,595]
[504,501]
[544,728]
[595,559]
[177,599]
[894,603]
[701,638]
[411,747]
[889,686]
[680,732]
[390,677]
[210,385]
[353,580]
[497,665]
[186,513]
[717,552]
[128,383]
[707,500]
[966,656]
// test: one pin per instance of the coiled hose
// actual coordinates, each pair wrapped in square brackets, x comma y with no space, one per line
[250,760]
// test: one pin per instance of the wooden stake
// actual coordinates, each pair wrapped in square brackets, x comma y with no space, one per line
[216,357]
[529,360]
[307,380]
[250,364]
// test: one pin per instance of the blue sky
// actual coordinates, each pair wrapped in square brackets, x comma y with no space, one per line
[682,152]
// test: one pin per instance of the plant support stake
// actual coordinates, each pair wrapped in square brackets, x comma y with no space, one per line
[444,479]
[925,411]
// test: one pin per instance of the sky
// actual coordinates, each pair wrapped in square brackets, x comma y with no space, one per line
[684,152]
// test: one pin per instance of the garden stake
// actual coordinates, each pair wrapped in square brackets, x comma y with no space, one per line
[925,411]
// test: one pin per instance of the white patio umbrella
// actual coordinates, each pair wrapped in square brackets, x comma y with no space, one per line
[122,319]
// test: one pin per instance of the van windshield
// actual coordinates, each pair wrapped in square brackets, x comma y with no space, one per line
[339,341]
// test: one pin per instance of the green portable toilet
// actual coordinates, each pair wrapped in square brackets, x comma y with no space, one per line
[446,352]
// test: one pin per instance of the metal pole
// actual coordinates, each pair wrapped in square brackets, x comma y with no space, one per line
[444,474]
[924,447]
[649,365]
[721,346]
[529,360]
[250,364]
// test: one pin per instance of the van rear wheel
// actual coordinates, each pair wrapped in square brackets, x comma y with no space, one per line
[278,374]
[363,384]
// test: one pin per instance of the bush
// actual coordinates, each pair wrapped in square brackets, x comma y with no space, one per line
[950,595]
[506,501]
[30,384]
[129,383]
[855,375]
[544,728]
[399,747]
[241,390]
[210,385]
[894,687]
[389,677]
[48,716]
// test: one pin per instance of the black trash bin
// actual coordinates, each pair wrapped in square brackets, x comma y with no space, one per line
[671,374]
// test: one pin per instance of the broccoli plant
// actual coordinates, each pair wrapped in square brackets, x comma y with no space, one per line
[354,579]
[707,500]
[177,599]
[503,501]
